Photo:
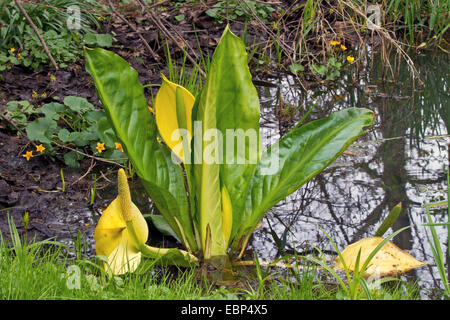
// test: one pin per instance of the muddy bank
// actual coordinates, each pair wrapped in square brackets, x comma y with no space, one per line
[36,187]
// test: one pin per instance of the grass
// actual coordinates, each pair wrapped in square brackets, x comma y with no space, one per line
[404,25]
[64,26]
[353,285]
[179,72]
[418,20]
[45,271]
[47,15]
[436,248]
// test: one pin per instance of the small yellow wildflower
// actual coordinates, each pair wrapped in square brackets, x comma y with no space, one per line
[343,47]
[100,147]
[12,50]
[118,146]
[34,94]
[335,43]
[99,18]
[43,95]
[19,56]
[151,109]
[40,148]
[28,155]
[350,59]
[52,78]
[323,81]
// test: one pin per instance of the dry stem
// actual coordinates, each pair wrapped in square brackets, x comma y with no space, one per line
[19,5]
[147,46]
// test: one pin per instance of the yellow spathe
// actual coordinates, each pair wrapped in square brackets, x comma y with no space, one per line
[112,237]
[390,260]
[166,114]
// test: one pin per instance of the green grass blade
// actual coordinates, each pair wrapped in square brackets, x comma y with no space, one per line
[389,221]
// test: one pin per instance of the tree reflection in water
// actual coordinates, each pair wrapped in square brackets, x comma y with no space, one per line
[402,159]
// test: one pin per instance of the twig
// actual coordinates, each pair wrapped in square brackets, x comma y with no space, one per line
[19,5]
[17,128]
[158,4]
[104,177]
[384,34]
[288,51]
[86,173]
[144,6]
[90,156]
[244,246]
[169,35]
[272,264]
[153,54]
[247,8]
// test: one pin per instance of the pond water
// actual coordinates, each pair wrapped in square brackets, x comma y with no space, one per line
[403,158]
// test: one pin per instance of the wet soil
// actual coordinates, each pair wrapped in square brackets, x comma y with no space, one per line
[36,186]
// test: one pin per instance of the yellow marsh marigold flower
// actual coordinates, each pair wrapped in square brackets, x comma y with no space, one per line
[343,47]
[118,146]
[19,56]
[100,147]
[12,50]
[335,43]
[350,59]
[40,148]
[28,155]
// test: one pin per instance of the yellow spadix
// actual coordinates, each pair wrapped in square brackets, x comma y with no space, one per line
[390,260]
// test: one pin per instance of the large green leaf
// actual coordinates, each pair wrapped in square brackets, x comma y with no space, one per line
[228,103]
[207,181]
[122,96]
[299,156]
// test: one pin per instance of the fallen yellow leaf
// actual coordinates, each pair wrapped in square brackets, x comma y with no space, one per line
[390,260]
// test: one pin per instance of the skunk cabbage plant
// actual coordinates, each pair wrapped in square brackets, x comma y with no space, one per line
[200,158]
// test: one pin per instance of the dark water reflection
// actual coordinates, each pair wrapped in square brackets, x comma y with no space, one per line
[403,158]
